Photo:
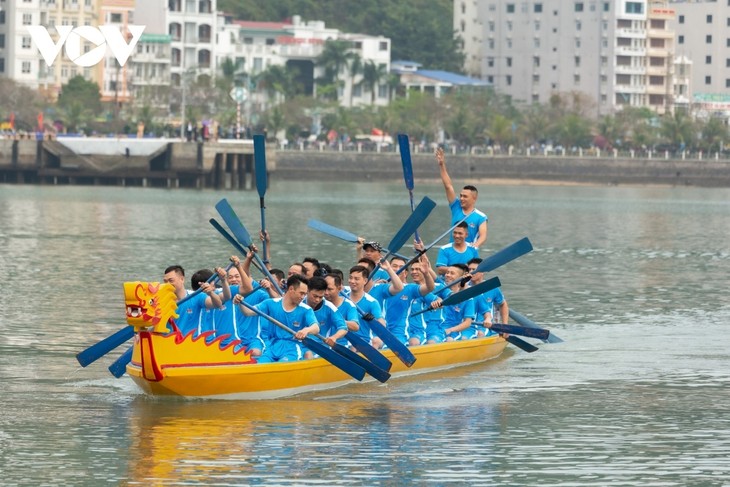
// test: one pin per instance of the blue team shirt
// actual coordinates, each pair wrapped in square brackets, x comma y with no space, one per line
[330,321]
[189,312]
[449,256]
[300,317]
[367,304]
[474,220]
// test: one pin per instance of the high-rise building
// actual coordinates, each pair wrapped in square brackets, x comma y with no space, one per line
[703,36]
[616,52]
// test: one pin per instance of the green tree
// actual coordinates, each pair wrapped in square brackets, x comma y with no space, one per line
[355,70]
[678,129]
[372,75]
[714,134]
[334,58]
[80,102]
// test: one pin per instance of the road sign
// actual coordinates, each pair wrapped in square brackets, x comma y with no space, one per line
[239,94]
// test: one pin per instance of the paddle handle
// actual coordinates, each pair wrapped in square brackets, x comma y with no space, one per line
[213,278]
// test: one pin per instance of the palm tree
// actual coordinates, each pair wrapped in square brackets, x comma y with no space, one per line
[277,81]
[335,56]
[355,69]
[372,75]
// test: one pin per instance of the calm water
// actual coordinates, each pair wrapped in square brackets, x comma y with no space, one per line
[635,280]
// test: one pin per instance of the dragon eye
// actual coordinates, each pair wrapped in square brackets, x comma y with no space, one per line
[152,301]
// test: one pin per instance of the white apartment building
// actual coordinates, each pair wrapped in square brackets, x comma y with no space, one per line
[703,35]
[468,26]
[150,73]
[255,46]
[19,59]
[115,79]
[617,52]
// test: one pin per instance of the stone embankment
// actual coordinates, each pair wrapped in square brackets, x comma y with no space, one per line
[352,166]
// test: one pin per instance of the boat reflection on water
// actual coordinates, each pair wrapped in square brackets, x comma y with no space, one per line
[355,434]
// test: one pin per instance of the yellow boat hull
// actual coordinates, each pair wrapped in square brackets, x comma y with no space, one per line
[167,365]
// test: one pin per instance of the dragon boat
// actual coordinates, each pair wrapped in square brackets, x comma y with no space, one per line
[168,363]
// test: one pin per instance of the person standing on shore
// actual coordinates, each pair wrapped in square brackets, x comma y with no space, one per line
[463,207]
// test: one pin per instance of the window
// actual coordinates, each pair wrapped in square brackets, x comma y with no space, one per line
[538,8]
[727,83]
[510,8]
[25,67]
[382,91]
[537,25]
[634,8]
[681,19]
[2,41]
[248,40]
[535,78]
[708,59]
[270,41]
[26,42]
[509,62]
[115,18]
[576,79]
[708,80]
[708,39]
[357,90]
[509,25]
[680,40]
[463,8]
[578,25]
[2,64]
[27,19]
[383,46]
[537,42]
[490,62]
[606,6]
[2,17]
[709,19]
[727,63]
[509,80]
[577,61]
[578,6]
[490,80]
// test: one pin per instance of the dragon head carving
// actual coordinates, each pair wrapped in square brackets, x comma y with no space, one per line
[149,304]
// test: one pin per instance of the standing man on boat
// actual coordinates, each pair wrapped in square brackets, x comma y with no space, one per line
[282,346]
[463,206]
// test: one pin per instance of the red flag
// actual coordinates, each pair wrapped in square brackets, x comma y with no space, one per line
[40,121]
[12,120]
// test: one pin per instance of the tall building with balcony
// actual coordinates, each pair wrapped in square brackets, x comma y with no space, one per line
[469,28]
[150,73]
[703,36]
[616,52]
[191,25]
[19,58]
[115,83]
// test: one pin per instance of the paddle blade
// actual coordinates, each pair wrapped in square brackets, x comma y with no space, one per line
[471,292]
[526,322]
[350,368]
[119,367]
[507,254]
[101,348]
[399,349]
[370,352]
[332,231]
[410,226]
[372,369]
[405,158]
[234,223]
[520,343]
[259,157]
[520,330]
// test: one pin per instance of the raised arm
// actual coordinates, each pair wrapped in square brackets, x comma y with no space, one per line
[428,285]
[396,285]
[445,178]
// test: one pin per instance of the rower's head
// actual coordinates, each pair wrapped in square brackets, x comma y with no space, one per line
[296,268]
[334,286]
[455,271]
[477,277]
[199,278]
[296,288]
[234,277]
[460,232]
[175,275]
[417,272]
[367,262]
[317,289]
[358,278]
[396,263]
[468,197]
[372,250]
[310,265]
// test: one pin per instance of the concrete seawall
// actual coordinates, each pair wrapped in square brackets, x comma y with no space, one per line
[350,166]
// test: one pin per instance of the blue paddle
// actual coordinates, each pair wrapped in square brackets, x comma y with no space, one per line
[524,331]
[259,156]
[244,238]
[498,259]
[370,352]
[520,343]
[320,349]
[405,159]
[410,226]
[101,348]
[467,293]
[524,321]
[332,231]
[372,369]
[426,249]
[232,241]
